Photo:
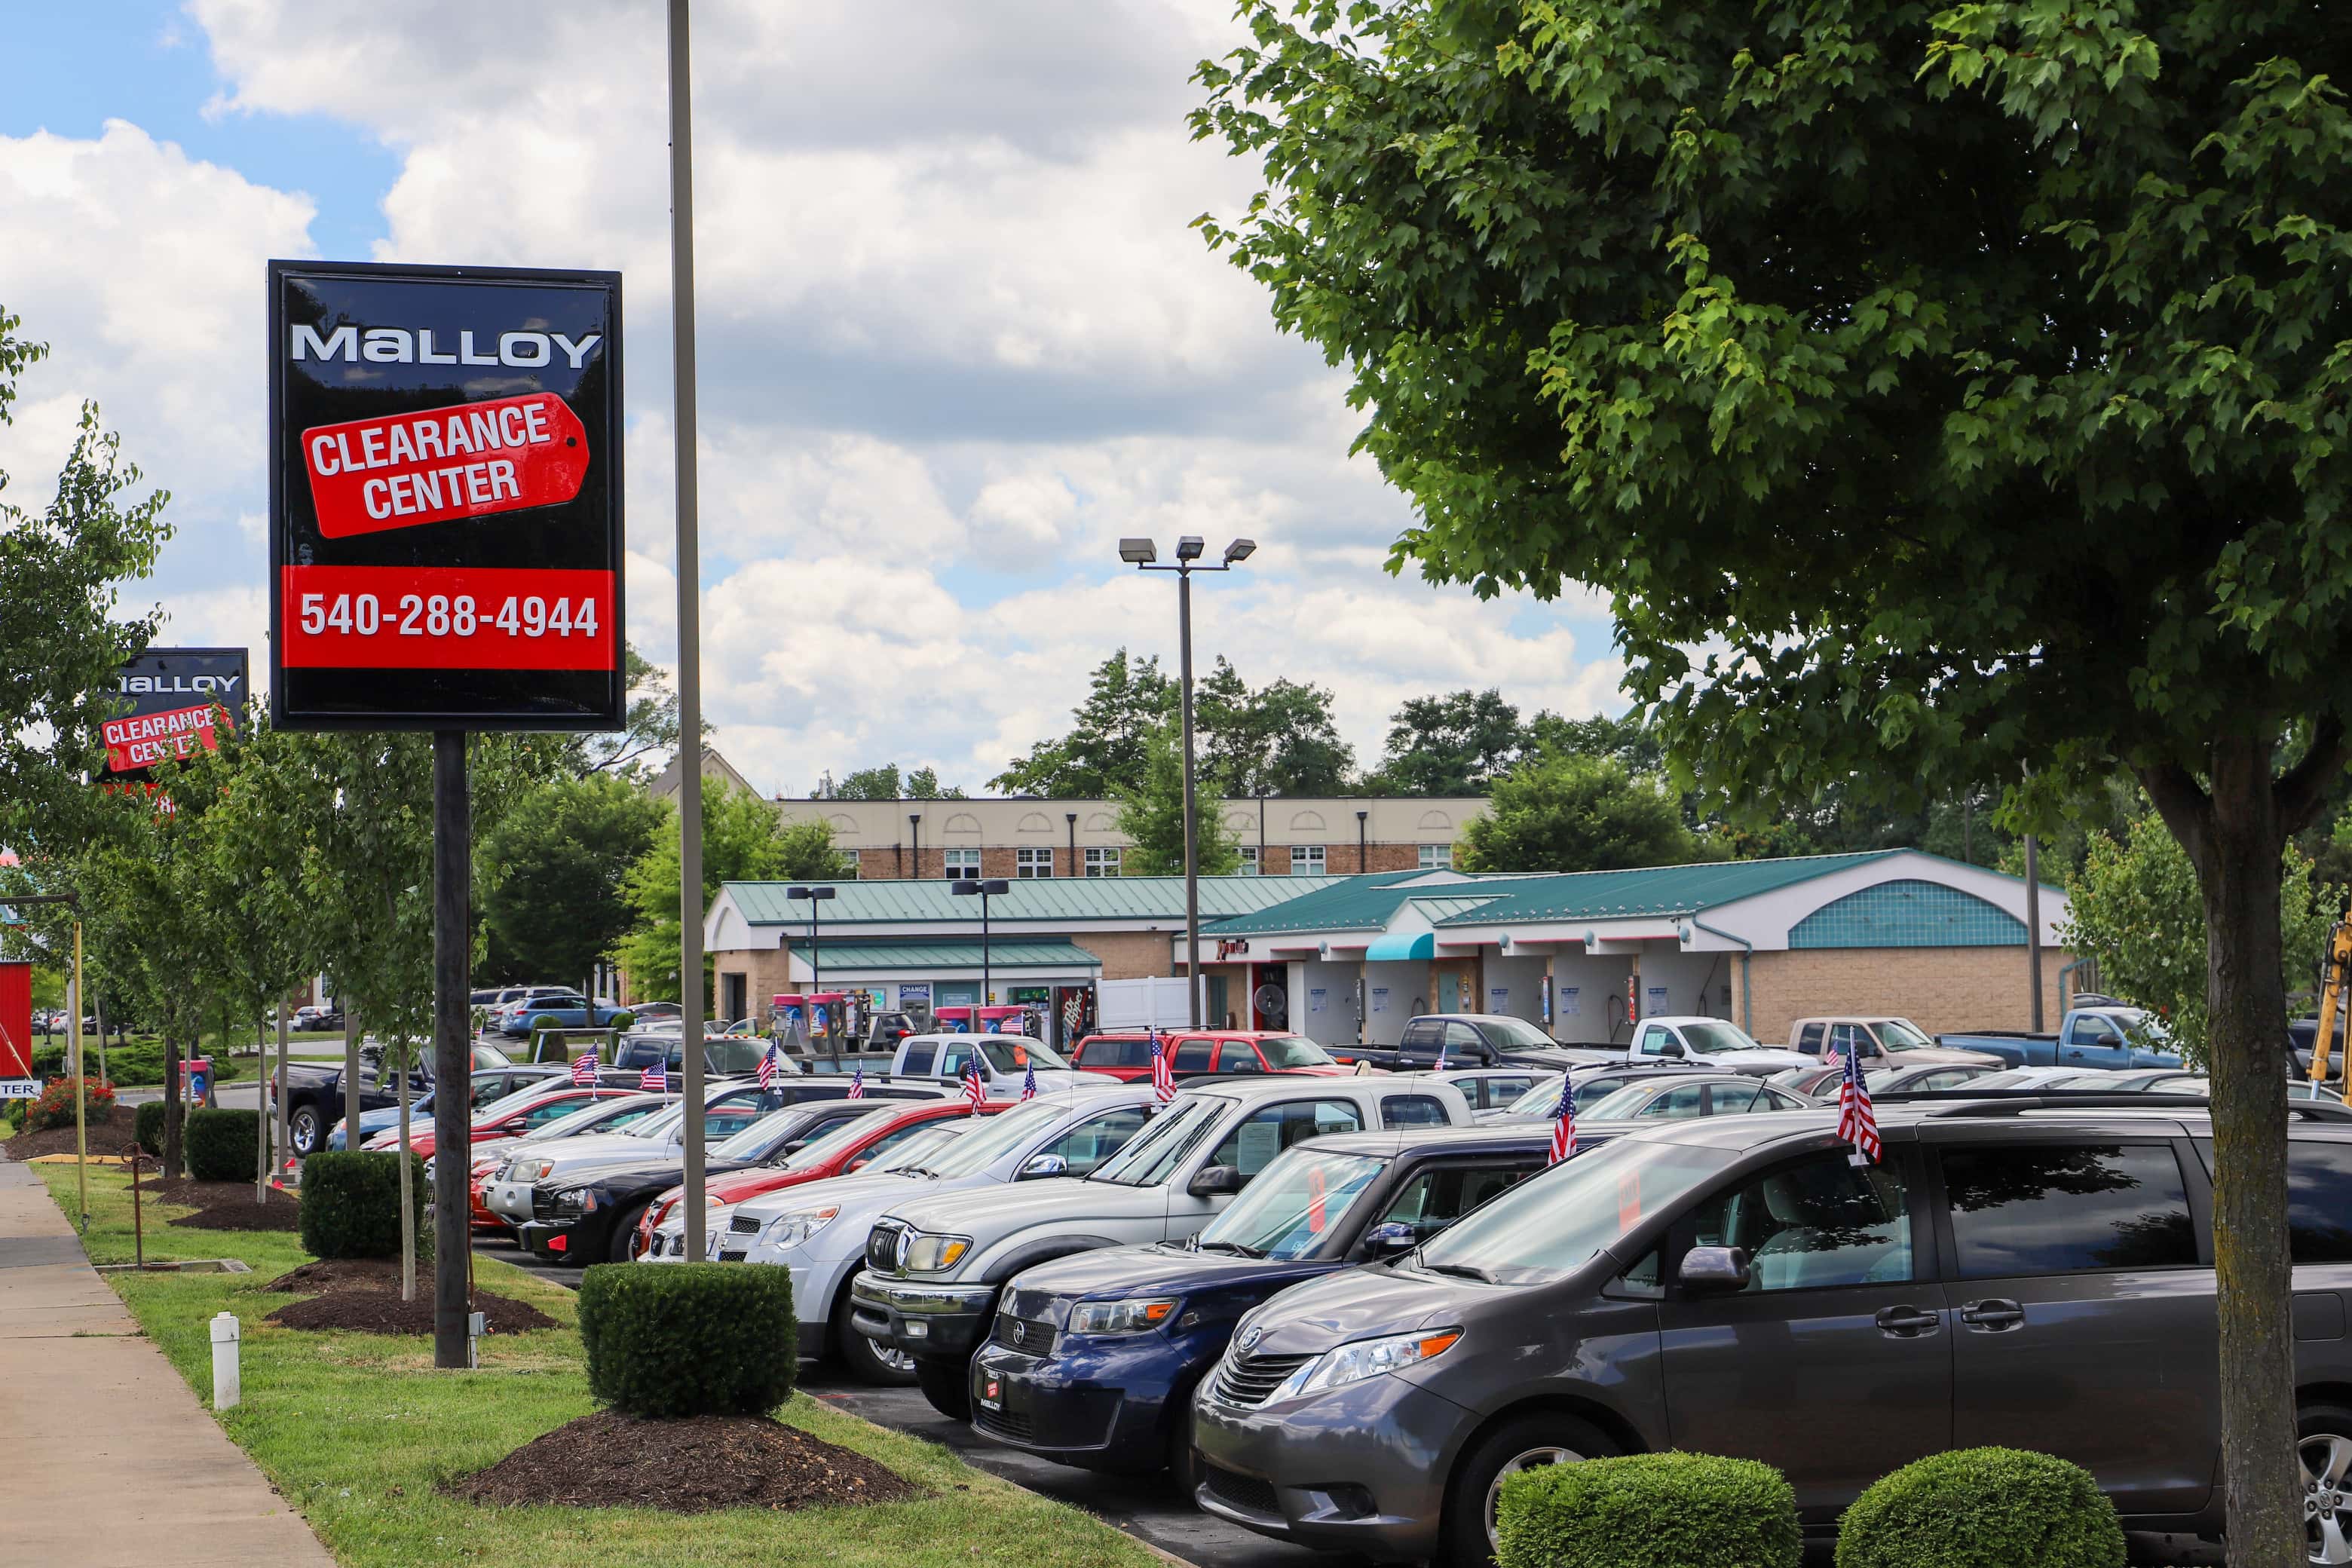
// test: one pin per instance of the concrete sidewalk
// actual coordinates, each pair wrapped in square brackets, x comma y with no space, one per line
[115,1460]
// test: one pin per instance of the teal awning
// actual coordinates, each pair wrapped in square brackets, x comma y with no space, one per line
[1390,946]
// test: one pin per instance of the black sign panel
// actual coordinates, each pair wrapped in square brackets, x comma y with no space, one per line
[171,702]
[445,488]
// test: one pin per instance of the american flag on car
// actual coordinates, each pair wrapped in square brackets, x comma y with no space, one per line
[1563,1121]
[1163,1072]
[1857,1124]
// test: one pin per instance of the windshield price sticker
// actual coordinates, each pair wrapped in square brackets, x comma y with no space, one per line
[376,617]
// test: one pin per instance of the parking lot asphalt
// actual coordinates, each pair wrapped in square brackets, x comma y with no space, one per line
[1145,1507]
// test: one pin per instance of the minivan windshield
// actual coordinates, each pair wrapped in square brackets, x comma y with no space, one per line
[1712,1037]
[1552,1224]
[1153,1154]
[1292,1206]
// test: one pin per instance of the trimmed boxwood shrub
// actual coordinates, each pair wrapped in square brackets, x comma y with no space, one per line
[1649,1510]
[147,1126]
[221,1144]
[1982,1507]
[350,1204]
[689,1338]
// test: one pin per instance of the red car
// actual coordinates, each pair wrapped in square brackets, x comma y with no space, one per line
[844,1149]
[620,1116]
[513,1117]
[1201,1053]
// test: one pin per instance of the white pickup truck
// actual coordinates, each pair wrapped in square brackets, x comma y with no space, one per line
[1005,1061]
[934,1266]
[1705,1042]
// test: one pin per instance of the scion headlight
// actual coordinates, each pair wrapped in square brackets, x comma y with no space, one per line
[936,1254]
[1129,1317]
[794,1228]
[1365,1358]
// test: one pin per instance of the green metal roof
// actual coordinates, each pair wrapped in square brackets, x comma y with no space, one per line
[1651,890]
[1342,903]
[924,956]
[1055,900]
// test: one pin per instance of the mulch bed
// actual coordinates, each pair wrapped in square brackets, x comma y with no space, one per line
[695,1465]
[229,1206]
[106,1136]
[343,1273]
[372,1310]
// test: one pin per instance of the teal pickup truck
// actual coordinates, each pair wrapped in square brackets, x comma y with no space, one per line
[2109,1036]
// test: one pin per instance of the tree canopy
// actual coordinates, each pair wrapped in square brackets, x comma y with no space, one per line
[1568,812]
[1151,814]
[743,839]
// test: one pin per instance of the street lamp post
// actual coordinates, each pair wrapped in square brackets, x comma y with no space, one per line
[816,898]
[966,886]
[1142,554]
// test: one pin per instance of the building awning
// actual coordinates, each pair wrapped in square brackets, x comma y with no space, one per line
[923,960]
[1390,946]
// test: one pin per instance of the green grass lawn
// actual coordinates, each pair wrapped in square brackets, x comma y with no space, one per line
[358,1431]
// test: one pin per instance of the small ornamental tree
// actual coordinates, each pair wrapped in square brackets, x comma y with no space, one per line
[1942,394]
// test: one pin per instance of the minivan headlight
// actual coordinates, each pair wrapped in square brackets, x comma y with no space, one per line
[793,1227]
[1134,1316]
[1365,1358]
[936,1254]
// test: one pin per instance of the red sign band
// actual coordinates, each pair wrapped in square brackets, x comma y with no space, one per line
[145,739]
[471,460]
[446,618]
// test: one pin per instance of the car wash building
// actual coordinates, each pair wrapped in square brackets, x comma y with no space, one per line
[1584,954]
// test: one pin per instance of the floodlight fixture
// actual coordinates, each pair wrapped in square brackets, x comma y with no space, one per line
[1240,550]
[1137,552]
[1189,547]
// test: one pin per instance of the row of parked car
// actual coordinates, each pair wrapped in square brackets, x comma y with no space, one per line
[1341,1308]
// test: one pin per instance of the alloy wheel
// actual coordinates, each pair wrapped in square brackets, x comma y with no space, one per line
[2327,1458]
[1534,1459]
[897,1360]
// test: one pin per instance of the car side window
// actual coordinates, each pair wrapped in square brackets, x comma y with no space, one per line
[2066,1208]
[555,1110]
[2319,1201]
[727,1122]
[1683,1099]
[1814,1224]
[1421,1037]
[887,1141]
[1809,1040]
[1725,1099]
[1653,1039]
[1846,1040]
[1501,1092]
[1269,1130]
[954,1060]
[1465,1042]
[1444,1193]
[1191,1055]
[1411,1110]
[1771,1099]
[919,1058]
[1238,1056]
[2091,1029]
[1095,1139]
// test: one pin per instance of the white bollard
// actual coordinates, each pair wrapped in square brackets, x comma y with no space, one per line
[226,1391]
[474,1332]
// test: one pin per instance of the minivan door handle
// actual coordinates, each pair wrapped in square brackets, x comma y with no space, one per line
[1907,1322]
[1992,1315]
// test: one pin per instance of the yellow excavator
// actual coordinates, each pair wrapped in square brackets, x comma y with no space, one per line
[2335,993]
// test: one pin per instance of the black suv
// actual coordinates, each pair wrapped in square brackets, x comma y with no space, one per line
[2026,1272]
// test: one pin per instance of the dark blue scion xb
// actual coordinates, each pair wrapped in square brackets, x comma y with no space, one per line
[1093,1358]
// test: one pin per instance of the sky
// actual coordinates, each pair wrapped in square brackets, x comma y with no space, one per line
[956,339]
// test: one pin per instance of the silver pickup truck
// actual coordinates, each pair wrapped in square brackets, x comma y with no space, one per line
[934,1266]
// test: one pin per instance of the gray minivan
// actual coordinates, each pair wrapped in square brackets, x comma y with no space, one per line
[2018,1272]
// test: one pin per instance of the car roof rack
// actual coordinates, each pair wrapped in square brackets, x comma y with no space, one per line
[2015,1102]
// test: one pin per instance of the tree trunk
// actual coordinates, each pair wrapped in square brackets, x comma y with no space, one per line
[172,1109]
[260,1110]
[351,1076]
[2236,841]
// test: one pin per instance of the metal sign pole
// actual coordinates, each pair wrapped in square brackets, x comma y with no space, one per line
[80,1067]
[689,595]
[453,1057]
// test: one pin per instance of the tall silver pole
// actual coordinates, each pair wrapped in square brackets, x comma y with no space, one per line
[2034,927]
[689,634]
[1192,850]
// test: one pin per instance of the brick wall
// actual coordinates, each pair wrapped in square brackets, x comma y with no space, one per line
[891,863]
[1131,954]
[765,973]
[1937,988]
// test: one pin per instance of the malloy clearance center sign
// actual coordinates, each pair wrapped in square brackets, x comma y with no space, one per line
[445,498]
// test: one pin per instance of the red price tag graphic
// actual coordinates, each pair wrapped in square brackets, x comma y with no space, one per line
[469,460]
[446,618]
[145,739]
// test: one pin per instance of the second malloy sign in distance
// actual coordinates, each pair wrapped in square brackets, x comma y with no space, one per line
[446,496]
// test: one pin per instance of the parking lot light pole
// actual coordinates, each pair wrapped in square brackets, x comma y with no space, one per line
[816,898]
[1143,555]
[966,887]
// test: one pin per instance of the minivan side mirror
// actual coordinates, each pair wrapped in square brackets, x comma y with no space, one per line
[1391,1238]
[1041,1166]
[1215,1182]
[1714,1270]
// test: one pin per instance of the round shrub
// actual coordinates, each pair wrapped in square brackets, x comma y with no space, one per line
[350,1204]
[147,1126]
[221,1144]
[1982,1507]
[1649,1510]
[689,1338]
[55,1107]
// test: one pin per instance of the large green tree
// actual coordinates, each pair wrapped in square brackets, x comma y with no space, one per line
[1567,813]
[743,839]
[1152,815]
[1127,700]
[1279,739]
[1455,744]
[548,878]
[1943,396]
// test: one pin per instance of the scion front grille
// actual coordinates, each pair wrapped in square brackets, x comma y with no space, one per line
[1022,1334]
